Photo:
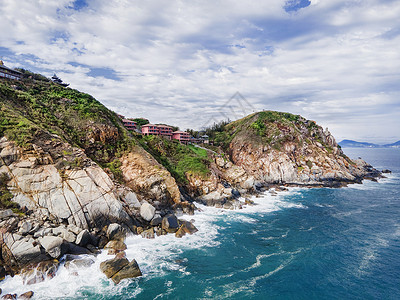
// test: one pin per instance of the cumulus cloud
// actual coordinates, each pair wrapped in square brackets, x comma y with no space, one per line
[334,61]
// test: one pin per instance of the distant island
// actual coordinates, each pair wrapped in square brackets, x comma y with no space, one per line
[355,144]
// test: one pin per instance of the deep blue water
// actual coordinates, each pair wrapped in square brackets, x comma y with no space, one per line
[304,244]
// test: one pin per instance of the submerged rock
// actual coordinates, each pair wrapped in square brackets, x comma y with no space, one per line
[27,295]
[39,272]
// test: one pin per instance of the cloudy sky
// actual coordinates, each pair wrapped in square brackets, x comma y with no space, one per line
[183,62]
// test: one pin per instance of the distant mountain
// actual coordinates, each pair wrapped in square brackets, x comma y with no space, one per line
[355,144]
[394,145]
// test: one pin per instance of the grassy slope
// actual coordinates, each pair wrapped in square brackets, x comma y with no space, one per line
[176,158]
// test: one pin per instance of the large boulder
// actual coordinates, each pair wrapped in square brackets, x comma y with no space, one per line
[129,271]
[6,213]
[25,251]
[53,245]
[113,266]
[170,223]
[84,238]
[186,227]
[27,295]
[147,211]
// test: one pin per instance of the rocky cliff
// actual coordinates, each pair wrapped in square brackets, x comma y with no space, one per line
[71,175]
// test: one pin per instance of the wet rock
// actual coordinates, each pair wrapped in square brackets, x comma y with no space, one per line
[129,271]
[53,245]
[27,295]
[148,234]
[156,220]
[2,273]
[115,231]
[113,266]
[79,263]
[186,227]
[386,171]
[39,272]
[147,211]
[9,296]
[170,224]
[114,247]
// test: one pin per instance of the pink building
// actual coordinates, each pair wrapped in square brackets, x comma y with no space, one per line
[150,129]
[129,124]
[181,136]
[165,131]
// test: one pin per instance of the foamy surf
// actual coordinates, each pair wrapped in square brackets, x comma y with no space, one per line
[156,257]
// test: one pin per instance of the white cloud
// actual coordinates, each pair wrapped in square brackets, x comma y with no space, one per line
[178,62]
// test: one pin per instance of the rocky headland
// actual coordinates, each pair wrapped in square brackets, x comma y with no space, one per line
[73,180]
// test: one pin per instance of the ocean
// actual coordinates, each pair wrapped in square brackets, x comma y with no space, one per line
[303,244]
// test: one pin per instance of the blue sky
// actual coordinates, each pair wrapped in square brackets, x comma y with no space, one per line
[179,62]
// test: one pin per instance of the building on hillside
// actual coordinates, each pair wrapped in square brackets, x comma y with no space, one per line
[161,130]
[165,131]
[9,73]
[129,124]
[205,139]
[181,136]
[150,129]
[58,80]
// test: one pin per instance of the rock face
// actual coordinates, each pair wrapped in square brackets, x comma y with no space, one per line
[148,178]
[276,147]
[84,197]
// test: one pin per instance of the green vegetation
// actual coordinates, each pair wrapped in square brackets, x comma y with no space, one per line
[178,159]
[35,106]
[6,196]
[140,121]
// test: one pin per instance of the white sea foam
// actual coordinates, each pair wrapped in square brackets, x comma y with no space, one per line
[155,257]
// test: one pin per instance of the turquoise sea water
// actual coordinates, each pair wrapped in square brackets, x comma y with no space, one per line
[303,244]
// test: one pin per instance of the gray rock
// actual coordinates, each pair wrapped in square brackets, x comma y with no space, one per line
[25,227]
[147,211]
[25,251]
[74,229]
[114,231]
[65,234]
[79,263]
[83,238]
[156,220]
[6,213]
[53,245]
[170,223]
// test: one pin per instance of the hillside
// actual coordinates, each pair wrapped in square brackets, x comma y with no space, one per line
[277,147]
[70,170]
[355,144]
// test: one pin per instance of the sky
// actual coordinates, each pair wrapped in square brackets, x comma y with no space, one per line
[192,63]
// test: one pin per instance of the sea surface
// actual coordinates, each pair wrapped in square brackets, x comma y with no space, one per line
[302,244]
